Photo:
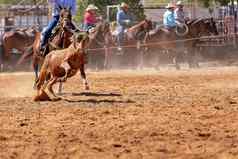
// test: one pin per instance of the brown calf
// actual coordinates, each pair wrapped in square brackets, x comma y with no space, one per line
[62,64]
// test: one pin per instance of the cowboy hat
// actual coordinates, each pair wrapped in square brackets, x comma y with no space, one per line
[91,7]
[124,5]
[170,5]
[179,3]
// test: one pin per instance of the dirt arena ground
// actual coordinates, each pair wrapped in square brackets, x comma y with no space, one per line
[188,114]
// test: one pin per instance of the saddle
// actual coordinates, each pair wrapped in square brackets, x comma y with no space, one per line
[54,33]
[50,45]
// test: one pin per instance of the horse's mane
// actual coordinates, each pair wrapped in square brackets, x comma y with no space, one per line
[191,21]
[196,21]
[210,19]
[102,25]
[21,29]
[26,30]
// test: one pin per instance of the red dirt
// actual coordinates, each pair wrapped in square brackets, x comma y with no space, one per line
[133,115]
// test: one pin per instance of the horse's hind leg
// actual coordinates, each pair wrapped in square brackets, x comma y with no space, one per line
[6,57]
[60,88]
[36,69]
[83,75]
[192,57]
[176,60]
[1,57]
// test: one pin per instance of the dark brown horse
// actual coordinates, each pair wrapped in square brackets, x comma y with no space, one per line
[18,39]
[133,38]
[207,27]
[98,49]
[163,39]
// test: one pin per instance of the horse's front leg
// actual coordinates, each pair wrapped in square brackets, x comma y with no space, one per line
[6,58]
[36,68]
[83,76]
[1,62]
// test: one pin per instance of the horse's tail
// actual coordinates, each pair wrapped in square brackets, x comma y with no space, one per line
[27,54]
[1,46]
[43,73]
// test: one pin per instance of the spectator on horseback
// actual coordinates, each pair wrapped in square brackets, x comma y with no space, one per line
[90,17]
[179,12]
[180,19]
[57,5]
[123,21]
[169,17]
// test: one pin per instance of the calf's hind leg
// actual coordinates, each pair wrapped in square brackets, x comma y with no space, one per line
[66,67]
[83,75]
[50,88]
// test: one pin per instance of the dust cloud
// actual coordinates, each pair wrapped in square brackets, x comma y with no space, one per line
[16,85]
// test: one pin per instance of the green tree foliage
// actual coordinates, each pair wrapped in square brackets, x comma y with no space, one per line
[208,3]
[135,7]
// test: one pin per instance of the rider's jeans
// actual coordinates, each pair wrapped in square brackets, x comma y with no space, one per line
[120,36]
[47,32]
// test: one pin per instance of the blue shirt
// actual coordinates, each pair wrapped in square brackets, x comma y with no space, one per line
[65,4]
[121,17]
[168,19]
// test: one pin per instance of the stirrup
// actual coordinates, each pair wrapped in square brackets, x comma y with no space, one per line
[43,50]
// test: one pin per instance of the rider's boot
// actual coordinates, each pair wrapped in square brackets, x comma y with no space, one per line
[42,47]
[42,43]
